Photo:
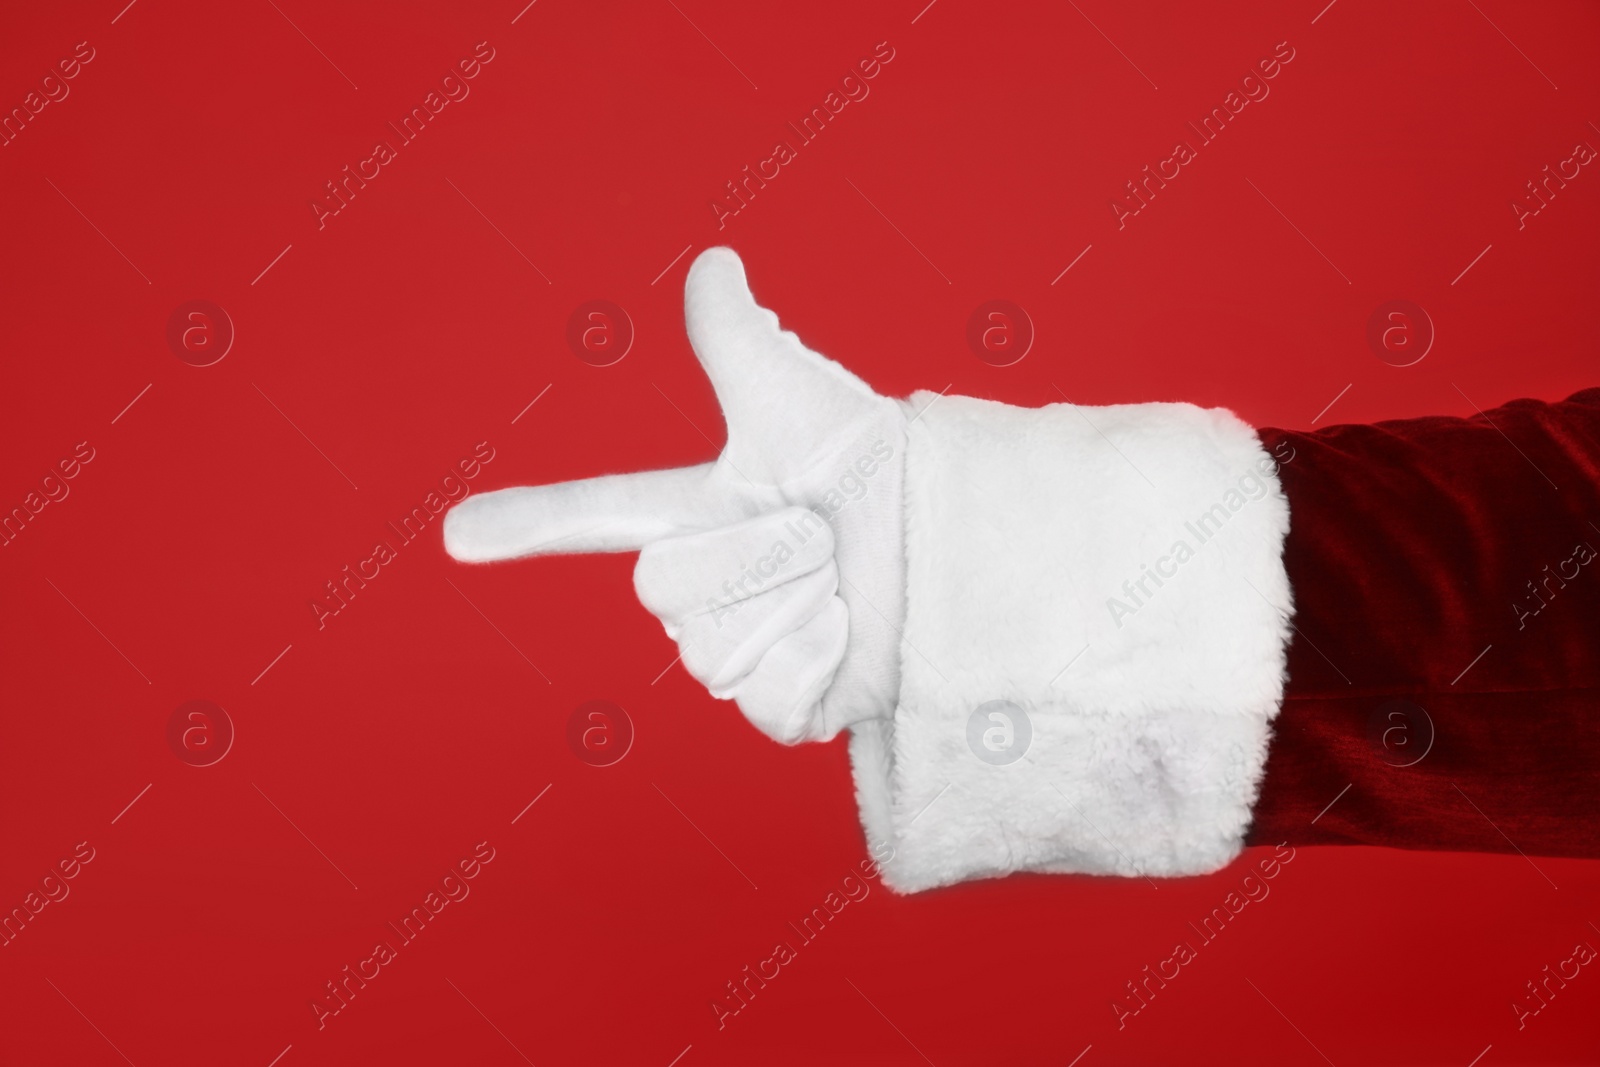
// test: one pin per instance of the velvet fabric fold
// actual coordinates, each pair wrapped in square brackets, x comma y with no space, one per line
[1445,665]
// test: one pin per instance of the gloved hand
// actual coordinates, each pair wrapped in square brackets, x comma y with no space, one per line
[1057,637]
[778,568]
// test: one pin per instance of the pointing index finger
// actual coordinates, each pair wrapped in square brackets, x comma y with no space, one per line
[612,513]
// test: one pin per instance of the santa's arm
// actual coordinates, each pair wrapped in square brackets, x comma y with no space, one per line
[1445,670]
[1105,597]
[1061,637]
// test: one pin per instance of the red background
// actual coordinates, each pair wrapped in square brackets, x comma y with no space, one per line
[408,329]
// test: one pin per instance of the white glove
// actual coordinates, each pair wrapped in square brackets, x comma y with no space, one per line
[779,568]
[1057,634]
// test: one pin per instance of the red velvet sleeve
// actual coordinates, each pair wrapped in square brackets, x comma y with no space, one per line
[1444,675]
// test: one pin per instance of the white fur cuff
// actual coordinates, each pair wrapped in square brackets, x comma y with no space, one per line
[1095,637]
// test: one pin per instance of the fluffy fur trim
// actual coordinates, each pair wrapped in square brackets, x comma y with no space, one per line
[1109,583]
